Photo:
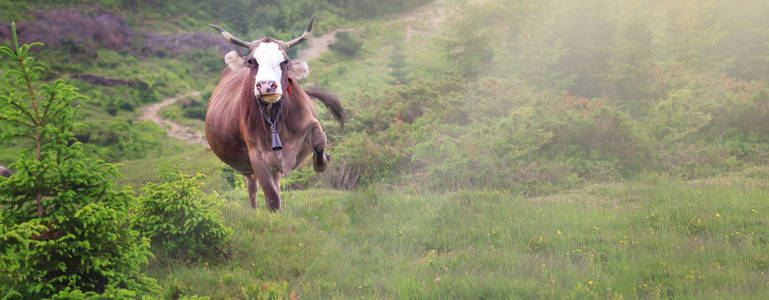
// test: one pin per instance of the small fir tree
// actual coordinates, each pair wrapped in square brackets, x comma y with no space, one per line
[65,229]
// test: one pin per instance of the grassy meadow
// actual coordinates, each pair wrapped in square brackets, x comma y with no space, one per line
[654,237]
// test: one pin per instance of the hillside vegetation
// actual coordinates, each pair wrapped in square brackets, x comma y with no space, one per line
[493,149]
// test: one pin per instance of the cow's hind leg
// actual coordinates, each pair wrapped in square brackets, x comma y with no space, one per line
[251,185]
[276,179]
[318,140]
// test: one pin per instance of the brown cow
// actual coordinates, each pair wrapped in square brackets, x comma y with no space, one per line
[5,172]
[260,121]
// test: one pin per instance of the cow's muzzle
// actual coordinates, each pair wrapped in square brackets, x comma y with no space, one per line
[268,90]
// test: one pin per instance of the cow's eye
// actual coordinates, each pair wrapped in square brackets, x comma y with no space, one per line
[251,61]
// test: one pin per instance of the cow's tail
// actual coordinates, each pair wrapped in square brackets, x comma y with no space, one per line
[331,102]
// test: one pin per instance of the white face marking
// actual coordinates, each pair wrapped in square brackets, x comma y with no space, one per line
[269,57]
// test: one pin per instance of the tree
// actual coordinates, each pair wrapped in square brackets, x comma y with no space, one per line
[468,48]
[346,44]
[65,229]
[630,61]
[398,64]
[690,35]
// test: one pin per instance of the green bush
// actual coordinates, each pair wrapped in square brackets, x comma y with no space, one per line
[532,142]
[64,228]
[182,222]
[708,124]
[194,110]
[363,159]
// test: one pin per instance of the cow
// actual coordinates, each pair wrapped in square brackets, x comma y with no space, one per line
[5,172]
[259,120]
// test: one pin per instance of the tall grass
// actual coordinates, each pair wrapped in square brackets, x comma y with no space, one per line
[650,238]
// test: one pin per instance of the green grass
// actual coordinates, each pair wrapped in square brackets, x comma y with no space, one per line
[367,71]
[651,238]
[177,155]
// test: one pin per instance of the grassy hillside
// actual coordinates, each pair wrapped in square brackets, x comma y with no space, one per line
[493,149]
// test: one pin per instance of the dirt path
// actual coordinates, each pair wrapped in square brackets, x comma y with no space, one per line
[175,130]
[430,16]
[319,45]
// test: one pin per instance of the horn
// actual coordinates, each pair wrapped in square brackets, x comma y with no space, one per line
[231,38]
[304,35]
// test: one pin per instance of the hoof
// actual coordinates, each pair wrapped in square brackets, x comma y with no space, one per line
[320,164]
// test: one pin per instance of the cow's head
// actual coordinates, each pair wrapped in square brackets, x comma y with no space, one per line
[269,60]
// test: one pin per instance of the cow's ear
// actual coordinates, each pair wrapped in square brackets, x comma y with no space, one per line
[234,61]
[299,70]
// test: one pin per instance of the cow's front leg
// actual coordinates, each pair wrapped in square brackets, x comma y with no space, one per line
[318,141]
[271,193]
[264,175]
[269,189]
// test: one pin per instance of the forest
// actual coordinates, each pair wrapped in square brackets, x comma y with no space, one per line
[557,149]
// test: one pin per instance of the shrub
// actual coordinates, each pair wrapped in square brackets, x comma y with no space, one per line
[538,145]
[709,124]
[363,159]
[181,221]
[194,109]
